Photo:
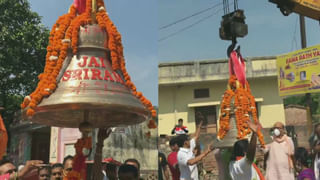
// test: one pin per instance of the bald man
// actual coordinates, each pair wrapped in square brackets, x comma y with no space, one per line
[280,160]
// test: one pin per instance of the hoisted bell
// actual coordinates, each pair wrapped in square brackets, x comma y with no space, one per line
[89,90]
[231,137]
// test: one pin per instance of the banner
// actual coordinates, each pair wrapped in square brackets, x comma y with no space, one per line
[299,71]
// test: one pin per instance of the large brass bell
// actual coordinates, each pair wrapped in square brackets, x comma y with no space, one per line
[89,91]
[231,137]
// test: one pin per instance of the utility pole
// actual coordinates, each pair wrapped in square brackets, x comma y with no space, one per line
[303,32]
[308,95]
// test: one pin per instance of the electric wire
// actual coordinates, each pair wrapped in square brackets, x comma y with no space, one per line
[189,26]
[190,16]
[195,23]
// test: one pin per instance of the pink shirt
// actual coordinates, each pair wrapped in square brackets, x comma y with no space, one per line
[5,177]
[278,164]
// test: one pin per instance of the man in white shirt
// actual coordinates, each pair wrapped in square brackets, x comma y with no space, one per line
[186,159]
[104,175]
[241,166]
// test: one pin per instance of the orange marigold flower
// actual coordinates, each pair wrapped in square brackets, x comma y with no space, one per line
[152,124]
[30,112]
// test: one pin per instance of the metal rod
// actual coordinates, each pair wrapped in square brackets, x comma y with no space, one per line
[94,6]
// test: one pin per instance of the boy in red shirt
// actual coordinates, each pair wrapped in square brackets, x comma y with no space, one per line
[172,159]
[180,128]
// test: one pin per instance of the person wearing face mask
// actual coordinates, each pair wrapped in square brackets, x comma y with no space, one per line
[280,164]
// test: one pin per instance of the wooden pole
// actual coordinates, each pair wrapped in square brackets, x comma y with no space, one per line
[97,166]
[308,95]
[303,32]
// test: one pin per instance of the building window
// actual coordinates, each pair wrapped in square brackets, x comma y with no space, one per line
[201,93]
[209,117]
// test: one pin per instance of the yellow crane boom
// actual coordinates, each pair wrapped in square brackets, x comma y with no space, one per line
[308,8]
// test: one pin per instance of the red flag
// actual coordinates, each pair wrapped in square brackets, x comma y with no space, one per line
[237,67]
[3,138]
[80,5]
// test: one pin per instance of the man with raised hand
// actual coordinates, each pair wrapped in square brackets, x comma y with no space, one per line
[241,166]
[186,159]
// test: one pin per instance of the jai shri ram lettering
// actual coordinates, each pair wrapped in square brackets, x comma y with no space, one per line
[91,68]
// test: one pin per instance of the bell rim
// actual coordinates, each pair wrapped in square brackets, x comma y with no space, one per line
[140,114]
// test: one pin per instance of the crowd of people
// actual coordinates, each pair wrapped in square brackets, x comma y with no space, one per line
[185,155]
[283,161]
[36,170]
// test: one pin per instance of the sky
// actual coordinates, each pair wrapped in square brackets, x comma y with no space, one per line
[136,20]
[269,32]
[139,22]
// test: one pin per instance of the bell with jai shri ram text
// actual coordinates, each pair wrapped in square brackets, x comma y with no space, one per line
[233,134]
[238,107]
[89,89]
[85,82]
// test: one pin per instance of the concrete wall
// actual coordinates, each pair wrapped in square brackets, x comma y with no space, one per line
[296,115]
[132,142]
[213,70]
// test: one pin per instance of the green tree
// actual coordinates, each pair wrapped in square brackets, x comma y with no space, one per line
[302,100]
[23,42]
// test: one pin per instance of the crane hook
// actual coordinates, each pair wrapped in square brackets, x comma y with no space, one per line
[232,46]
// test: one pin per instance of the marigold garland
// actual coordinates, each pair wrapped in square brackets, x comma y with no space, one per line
[64,35]
[78,171]
[245,107]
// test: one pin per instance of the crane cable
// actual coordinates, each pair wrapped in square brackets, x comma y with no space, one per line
[226,6]
[190,26]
